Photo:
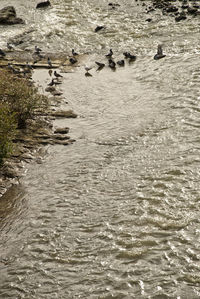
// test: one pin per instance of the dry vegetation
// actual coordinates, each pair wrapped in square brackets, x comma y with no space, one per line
[19,101]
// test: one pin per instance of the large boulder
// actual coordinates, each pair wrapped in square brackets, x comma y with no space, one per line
[8,16]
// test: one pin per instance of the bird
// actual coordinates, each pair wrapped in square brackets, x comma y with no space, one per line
[159,53]
[100,65]
[49,62]
[98,28]
[126,54]
[88,68]
[2,53]
[37,50]
[87,74]
[121,62]
[9,46]
[51,83]
[111,64]
[110,54]
[73,60]
[57,75]
[132,57]
[74,53]
[50,72]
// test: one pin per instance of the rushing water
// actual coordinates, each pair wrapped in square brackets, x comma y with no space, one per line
[116,214]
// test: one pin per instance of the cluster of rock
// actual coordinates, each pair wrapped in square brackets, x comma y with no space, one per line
[179,11]
[8,14]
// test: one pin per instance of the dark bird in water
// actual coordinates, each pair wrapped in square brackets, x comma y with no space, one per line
[98,28]
[57,75]
[110,54]
[132,58]
[74,53]
[73,60]
[100,65]
[9,46]
[111,64]
[2,53]
[51,83]
[121,62]
[49,62]
[126,54]
[87,74]
[37,50]
[159,54]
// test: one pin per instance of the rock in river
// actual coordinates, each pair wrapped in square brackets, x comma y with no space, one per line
[8,16]
[43,4]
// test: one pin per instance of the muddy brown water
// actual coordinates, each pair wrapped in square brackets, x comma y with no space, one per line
[116,214]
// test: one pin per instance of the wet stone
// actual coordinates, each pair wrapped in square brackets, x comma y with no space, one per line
[64,114]
[8,16]
[61,130]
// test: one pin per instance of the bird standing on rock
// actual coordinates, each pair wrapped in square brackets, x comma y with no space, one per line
[49,62]
[57,75]
[74,53]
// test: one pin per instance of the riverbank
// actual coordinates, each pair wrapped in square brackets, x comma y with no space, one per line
[22,143]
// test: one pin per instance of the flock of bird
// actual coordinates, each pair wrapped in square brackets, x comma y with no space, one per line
[127,56]
[27,69]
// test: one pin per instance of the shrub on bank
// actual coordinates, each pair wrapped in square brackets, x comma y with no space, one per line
[18,102]
[21,98]
[7,131]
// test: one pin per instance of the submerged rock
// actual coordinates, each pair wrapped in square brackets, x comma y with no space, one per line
[8,16]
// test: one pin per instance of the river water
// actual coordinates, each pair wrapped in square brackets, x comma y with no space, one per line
[116,214]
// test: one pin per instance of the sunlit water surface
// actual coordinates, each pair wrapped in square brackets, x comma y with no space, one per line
[116,214]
